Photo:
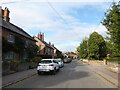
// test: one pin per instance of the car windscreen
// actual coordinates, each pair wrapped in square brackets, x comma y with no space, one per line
[46,61]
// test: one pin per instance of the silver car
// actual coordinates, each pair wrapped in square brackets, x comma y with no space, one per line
[60,62]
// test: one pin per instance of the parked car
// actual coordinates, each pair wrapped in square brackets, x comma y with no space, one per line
[48,65]
[67,60]
[60,62]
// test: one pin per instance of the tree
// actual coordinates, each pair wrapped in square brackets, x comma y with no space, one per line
[32,50]
[112,23]
[97,46]
[83,53]
[78,51]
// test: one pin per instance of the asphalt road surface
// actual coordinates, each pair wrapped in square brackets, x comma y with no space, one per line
[72,75]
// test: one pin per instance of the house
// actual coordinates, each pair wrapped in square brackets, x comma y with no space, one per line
[44,47]
[66,56]
[57,53]
[12,35]
[74,56]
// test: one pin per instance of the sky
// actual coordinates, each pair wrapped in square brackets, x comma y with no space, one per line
[65,23]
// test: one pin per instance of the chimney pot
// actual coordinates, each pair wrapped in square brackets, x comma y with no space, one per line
[1,12]
[6,14]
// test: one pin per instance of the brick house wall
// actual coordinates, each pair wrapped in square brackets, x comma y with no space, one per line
[40,45]
[5,35]
[45,49]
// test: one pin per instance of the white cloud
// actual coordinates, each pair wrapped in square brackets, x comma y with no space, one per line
[58,1]
[34,17]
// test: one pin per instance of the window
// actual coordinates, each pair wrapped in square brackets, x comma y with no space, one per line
[26,44]
[46,61]
[55,61]
[25,55]
[11,38]
[9,55]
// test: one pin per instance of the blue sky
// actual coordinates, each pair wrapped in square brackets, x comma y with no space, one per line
[65,26]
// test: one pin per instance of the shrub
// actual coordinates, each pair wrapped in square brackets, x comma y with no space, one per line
[5,62]
[36,59]
[114,59]
[14,61]
[22,61]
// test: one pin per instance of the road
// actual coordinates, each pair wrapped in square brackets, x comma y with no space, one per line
[72,75]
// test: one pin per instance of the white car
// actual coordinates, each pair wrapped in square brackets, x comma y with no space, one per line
[48,65]
[60,62]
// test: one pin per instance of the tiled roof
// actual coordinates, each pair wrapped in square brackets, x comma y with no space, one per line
[46,44]
[15,29]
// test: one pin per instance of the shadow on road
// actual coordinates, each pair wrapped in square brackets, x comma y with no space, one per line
[71,71]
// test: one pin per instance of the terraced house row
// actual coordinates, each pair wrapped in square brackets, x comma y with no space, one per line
[16,43]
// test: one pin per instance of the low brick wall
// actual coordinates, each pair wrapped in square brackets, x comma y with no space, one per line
[9,68]
[113,63]
[95,62]
[114,66]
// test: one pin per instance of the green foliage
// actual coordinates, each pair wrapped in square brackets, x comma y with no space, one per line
[59,54]
[70,53]
[83,49]
[32,50]
[17,61]
[112,23]
[78,51]
[7,46]
[97,46]
[114,59]
[36,59]
[19,44]
[44,56]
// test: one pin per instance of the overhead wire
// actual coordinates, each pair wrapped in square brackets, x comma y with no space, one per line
[14,2]
[103,16]
[56,11]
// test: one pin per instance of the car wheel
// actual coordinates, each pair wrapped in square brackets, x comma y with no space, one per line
[58,69]
[39,73]
[54,71]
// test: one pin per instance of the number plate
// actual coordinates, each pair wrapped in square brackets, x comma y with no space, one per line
[44,67]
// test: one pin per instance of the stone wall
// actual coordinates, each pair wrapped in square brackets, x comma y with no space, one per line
[113,66]
[9,68]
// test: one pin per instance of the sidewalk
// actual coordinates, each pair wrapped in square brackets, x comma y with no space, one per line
[16,77]
[102,70]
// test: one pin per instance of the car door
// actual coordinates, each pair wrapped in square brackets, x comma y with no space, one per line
[56,64]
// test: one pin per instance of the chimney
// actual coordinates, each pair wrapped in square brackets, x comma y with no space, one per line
[53,45]
[39,35]
[1,12]
[6,14]
[43,36]
[50,43]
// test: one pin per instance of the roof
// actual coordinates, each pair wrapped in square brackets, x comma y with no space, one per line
[46,44]
[15,29]
[47,59]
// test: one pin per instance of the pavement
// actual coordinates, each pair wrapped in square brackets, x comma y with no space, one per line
[104,72]
[99,70]
[17,77]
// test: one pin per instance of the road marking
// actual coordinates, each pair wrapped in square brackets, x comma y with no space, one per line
[14,82]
